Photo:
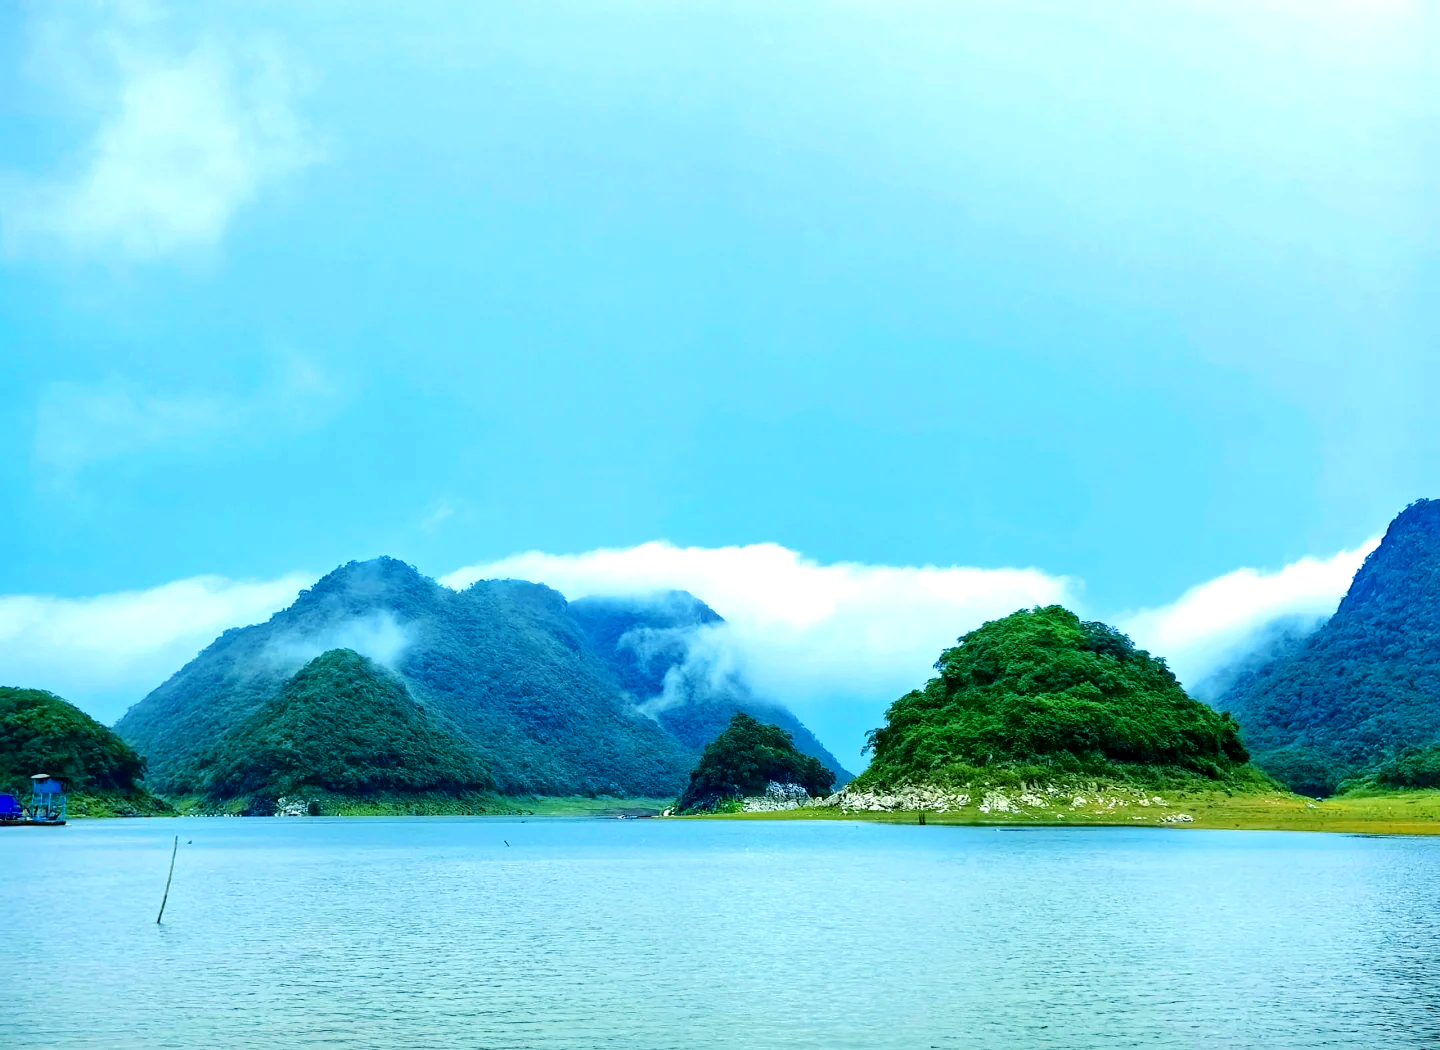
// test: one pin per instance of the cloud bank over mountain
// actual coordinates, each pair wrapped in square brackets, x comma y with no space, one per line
[836,642]
[105,652]
[805,632]
[1216,622]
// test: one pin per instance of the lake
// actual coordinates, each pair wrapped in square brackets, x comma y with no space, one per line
[434,933]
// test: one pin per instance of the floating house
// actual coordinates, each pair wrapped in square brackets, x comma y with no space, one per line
[46,808]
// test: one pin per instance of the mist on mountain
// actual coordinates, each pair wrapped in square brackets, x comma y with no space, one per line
[553,701]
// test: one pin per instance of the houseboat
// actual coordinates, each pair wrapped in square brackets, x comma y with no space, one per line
[46,808]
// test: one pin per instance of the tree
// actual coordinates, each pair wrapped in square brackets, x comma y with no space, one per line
[745,759]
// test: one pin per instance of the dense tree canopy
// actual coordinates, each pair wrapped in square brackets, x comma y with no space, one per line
[1364,685]
[41,733]
[1040,687]
[1415,767]
[341,724]
[745,759]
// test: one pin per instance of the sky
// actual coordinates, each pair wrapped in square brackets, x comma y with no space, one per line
[905,313]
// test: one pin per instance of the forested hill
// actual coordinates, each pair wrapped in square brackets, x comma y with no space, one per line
[342,724]
[1365,684]
[745,759]
[42,733]
[504,664]
[1043,693]
[648,644]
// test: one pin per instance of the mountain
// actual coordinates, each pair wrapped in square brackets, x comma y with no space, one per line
[1366,684]
[655,649]
[744,760]
[342,724]
[505,666]
[1044,693]
[41,733]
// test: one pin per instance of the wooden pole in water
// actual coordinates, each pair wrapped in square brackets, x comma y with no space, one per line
[166,897]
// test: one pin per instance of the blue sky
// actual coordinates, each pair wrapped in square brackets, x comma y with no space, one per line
[1132,295]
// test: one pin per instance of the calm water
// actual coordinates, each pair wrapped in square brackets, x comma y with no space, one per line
[427,933]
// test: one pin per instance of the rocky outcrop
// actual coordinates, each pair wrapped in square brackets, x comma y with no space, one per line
[1043,801]
[778,797]
[287,806]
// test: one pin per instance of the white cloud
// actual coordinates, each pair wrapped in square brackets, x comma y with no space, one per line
[803,632]
[378,635]
[104,653]
[1215,622]
[186,136]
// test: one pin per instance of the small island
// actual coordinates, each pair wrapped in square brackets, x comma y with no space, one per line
[753,767]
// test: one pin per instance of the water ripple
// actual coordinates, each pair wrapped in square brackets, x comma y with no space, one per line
[432,933]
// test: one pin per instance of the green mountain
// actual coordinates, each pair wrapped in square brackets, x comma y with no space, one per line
[1366,684]
[649,645]
[342,724]
[744,760]
[505,666]
[1044,693]
[41,733]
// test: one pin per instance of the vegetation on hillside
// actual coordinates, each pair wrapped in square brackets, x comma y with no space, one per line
[502,662]
[744,760]
[42,733]
[343,725]
[1044,694]
[1366,684]
[1414,768]
[536,686]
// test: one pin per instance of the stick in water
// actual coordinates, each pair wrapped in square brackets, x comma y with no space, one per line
[166,897]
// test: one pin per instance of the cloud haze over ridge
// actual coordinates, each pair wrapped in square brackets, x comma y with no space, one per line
[1212,624]
[836,642]
[806,632]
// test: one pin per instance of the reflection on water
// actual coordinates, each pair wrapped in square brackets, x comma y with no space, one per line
[424,933]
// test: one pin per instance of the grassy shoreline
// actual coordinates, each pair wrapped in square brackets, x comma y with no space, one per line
[469,804]
[1367,813]
[1396,813]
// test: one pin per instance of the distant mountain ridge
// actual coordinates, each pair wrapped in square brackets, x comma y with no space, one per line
[543,693]
[1365,684]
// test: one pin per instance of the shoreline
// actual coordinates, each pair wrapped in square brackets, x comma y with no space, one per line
[1398,813]
[1395,813]
[1388,815]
